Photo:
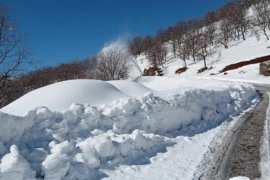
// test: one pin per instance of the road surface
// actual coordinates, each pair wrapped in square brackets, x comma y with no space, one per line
[239,155]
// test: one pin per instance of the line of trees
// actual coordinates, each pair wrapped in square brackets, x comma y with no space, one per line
[196,39]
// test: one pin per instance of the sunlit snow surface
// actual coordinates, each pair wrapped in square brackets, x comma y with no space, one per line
[119,129]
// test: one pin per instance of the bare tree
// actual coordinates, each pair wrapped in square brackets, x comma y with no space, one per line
[210,26]
[179,45]
[237,15]
[148,42]
[136,46]
[204,49]
[172,40]
[261,16]
[184,52]
[13,54]
[225,35]
[112,64]
[162,36]
[192,37]
[157,54]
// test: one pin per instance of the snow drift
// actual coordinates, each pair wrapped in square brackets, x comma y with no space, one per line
[59,96]
[82,141]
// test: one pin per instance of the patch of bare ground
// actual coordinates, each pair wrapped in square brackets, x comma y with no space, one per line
[180,70]
[245,63]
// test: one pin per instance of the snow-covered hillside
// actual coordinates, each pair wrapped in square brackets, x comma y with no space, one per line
[238,51]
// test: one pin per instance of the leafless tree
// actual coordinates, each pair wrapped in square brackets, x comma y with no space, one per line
[261,18]
[226,32]
[112,64]
[13,54]
[162,36]
[171,32]
[148,42]
[204,49]
[210,26]
[192,37]
[237,15]
[157,54]
[175,34]
[184,52]
[192,44]
[180,31]
[136,46]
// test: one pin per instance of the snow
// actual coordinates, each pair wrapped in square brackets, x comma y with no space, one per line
[59,96]
[14,166]
[238,51]
[130,88]
[55,166]
[12,127]
[240,178]
[144,125]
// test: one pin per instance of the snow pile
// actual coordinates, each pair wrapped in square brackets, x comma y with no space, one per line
[59,96]
[83,141]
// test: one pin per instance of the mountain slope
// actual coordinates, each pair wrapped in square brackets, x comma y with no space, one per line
[238,51]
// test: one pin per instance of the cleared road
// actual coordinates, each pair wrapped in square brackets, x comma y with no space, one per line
[239,154]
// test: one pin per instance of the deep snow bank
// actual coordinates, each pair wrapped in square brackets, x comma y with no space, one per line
[83,140]
[60,96]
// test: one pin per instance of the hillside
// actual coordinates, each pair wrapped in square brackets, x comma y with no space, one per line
[238,51]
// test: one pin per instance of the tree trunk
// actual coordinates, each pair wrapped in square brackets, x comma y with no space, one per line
[185,63]
[204,61]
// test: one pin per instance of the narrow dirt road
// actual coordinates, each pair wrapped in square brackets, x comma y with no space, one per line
[240,153]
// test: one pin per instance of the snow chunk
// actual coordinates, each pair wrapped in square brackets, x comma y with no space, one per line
[55,166]
[14,166]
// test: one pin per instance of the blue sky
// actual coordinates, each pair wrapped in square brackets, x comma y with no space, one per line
[63,30]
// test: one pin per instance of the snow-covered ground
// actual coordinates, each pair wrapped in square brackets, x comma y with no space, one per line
[238,51]
[154,128]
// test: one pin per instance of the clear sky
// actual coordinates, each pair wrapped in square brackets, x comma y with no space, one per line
[63,30]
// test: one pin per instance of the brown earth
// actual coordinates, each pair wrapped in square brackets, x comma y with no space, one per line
[245,63]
